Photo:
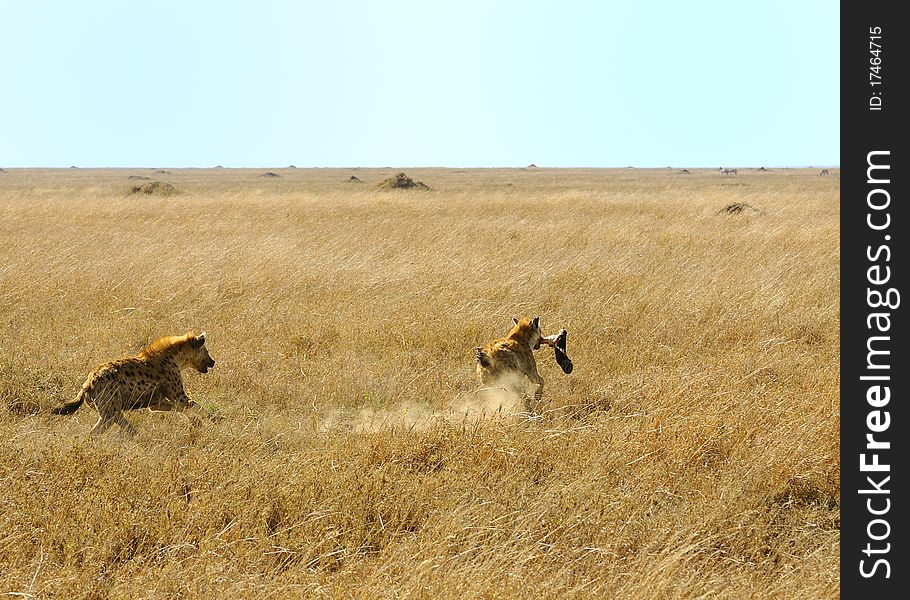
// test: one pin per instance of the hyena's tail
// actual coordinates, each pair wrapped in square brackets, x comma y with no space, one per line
[482,358]
[70,407]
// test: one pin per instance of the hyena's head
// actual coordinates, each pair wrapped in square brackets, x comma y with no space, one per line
[199,357]
[527,330]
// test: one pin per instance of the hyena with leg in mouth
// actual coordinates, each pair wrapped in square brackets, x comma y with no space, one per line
[509,361]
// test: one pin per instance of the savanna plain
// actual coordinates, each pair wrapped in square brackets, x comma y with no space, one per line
[692,453]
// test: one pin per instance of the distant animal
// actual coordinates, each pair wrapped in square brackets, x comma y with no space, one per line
[764,170]
[824,172]
[509,361]
[728,171]
[151,379]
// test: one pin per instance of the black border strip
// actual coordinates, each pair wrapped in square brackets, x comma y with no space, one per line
[869,124]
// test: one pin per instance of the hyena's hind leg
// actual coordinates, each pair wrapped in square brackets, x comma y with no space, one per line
[104,423]
[121,420]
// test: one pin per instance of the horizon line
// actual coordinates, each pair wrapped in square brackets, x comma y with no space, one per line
[531,165]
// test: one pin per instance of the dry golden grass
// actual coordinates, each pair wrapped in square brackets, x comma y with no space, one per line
[692,453]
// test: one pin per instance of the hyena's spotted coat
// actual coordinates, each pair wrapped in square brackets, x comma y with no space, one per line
[151,379]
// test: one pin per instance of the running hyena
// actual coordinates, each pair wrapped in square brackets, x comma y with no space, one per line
[509,361]
[151,379]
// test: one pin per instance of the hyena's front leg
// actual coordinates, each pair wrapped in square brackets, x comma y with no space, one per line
[526,404]
[537,381]
[200,411]
[193,410]
[538,393]
[180,401]
[186,407]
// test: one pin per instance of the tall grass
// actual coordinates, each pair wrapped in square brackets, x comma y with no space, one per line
[693,452]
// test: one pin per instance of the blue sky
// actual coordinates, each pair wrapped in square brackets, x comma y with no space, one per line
[411,83]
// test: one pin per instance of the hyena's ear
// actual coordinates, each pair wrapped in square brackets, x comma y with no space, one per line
[198,341]
[536,323]
[514,321]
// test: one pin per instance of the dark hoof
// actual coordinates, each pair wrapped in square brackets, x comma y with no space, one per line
[561,357]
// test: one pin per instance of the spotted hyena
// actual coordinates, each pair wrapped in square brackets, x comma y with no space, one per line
[509,362]
[151,379]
